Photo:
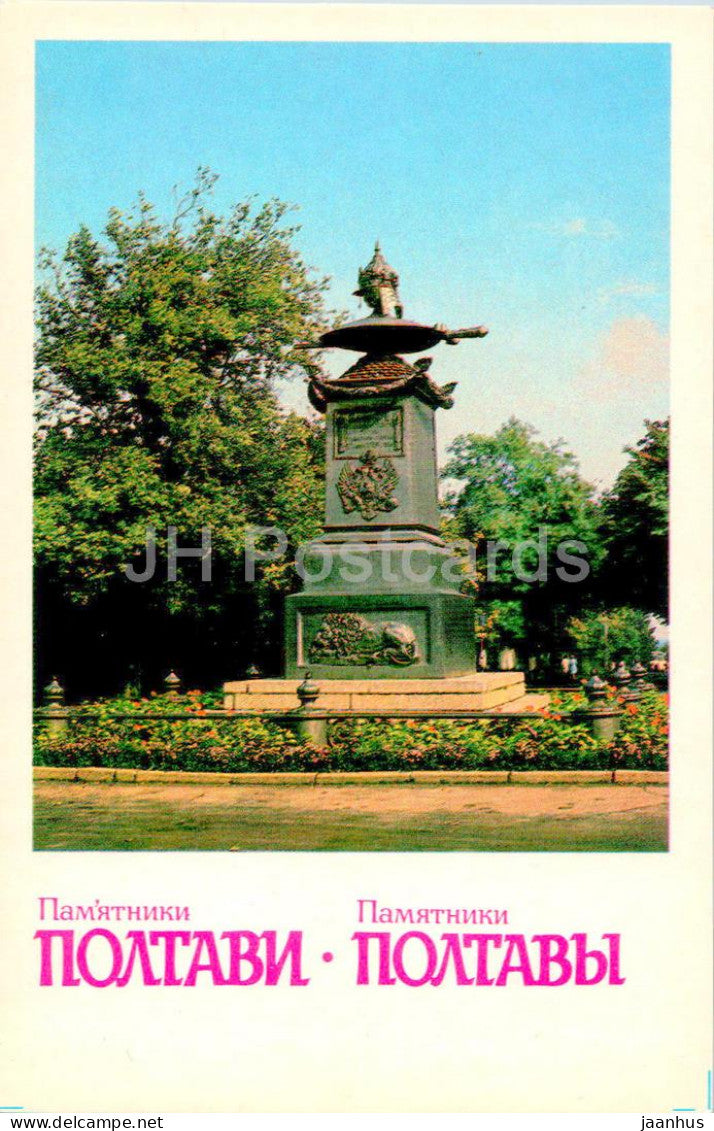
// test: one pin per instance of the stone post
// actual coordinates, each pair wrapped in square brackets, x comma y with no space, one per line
[622,680]
[306,728]
[172,685]
[602,717]
[640,684]
[54,713]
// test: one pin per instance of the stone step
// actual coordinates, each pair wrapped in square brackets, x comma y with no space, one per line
[482,691]
[532,701]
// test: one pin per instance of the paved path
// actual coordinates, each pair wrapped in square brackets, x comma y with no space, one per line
[397,818]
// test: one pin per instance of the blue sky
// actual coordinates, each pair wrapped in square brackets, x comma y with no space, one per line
[525,187]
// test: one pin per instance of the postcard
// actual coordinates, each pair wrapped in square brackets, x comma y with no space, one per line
[357,679]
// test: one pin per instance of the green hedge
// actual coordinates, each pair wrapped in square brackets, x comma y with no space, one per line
[552,739]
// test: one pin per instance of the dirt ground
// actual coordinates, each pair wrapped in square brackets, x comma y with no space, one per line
[74,816]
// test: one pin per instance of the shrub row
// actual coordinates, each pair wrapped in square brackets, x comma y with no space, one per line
[553,739]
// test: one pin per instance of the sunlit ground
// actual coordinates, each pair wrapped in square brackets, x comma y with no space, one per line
[405,817]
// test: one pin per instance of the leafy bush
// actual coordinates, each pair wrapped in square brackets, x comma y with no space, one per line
[205,742]
[553,739]
[411,744]
[642,740]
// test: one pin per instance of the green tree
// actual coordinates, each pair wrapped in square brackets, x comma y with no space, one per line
[158,350]
[603,638]
[635,525]
[528,496]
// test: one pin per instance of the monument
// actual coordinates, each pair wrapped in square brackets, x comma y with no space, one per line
[381,615]
[381,591]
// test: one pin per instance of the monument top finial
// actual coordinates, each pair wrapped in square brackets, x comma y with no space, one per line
[386,331]
[377,285]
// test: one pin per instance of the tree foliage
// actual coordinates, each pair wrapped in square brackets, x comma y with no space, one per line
[635,525]
[515,489]
[159,346]
[605,637]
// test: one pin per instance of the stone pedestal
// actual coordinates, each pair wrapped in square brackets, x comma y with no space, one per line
[379,636]
[380,592]
[488,691]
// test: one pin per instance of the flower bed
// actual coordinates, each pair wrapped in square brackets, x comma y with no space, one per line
[554,739]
